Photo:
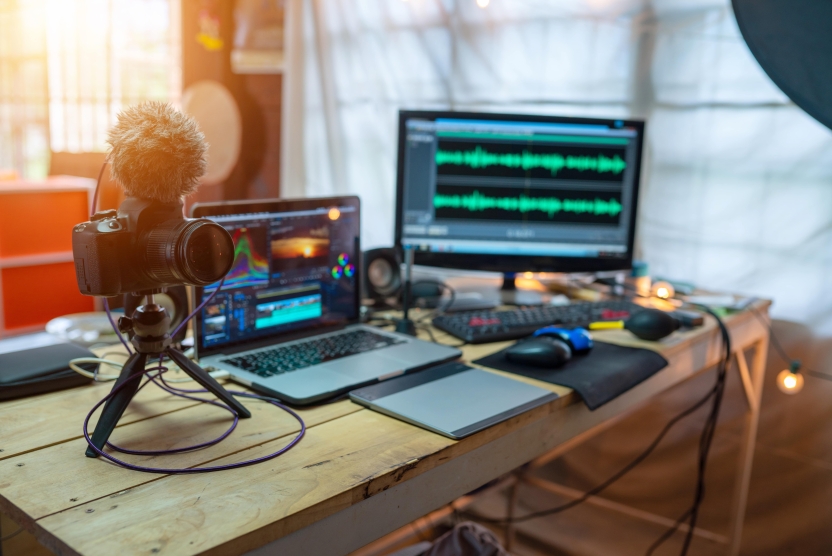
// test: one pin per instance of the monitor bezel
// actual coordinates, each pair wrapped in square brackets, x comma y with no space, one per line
[516,263]
[222,208]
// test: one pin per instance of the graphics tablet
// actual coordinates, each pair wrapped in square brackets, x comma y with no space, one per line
[454,400]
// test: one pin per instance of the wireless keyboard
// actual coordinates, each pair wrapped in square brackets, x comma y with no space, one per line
[479,327]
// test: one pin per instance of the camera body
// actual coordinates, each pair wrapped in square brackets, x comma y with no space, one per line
[148,245]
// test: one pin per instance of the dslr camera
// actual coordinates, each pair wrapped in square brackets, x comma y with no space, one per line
[148,245]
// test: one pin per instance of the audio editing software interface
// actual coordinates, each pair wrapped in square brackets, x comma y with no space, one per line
[291,270]
[518,188]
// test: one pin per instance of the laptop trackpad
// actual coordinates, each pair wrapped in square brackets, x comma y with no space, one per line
[366,367]
[310,382]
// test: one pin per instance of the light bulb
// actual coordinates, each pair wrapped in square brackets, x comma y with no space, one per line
[789,382]
[663,290]
[483,3]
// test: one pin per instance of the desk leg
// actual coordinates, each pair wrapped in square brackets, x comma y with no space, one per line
[512,504]
[753,385]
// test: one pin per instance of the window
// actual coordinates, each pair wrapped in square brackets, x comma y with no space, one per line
[67,67]
[24,120]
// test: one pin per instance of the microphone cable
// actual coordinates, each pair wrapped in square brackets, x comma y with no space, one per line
[155,375]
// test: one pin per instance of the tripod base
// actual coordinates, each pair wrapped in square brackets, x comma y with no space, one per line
[128,384]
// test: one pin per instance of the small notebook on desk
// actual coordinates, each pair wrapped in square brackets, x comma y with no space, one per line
[38,363]
[453,400]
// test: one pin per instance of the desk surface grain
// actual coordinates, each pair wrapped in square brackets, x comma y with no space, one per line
[77,505]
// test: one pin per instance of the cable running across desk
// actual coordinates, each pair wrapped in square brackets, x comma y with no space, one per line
[159,380]
[691,514]
[182,393]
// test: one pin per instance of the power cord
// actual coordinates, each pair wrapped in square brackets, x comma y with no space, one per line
[440,309]
[705,442]
[600,488]
[716,392]
[75,365]
[436,312]
[11,535]
[778,347]
[420,322]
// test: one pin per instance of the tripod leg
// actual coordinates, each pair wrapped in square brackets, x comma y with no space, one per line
[201,376]
[115,406]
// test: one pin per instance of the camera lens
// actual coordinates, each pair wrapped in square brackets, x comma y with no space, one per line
[194,251]
[207,252]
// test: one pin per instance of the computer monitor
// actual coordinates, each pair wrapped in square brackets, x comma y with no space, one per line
[517,193]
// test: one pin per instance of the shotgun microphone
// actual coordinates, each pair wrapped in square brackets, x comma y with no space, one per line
[158,155]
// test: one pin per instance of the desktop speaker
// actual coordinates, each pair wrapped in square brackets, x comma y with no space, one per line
[382,274]
[175,302]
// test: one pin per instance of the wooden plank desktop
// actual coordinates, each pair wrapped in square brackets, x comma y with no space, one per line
[354,477]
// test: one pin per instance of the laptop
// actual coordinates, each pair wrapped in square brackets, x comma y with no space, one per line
[286,320]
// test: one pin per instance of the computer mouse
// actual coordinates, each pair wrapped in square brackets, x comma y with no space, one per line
[540,351]
[579,340]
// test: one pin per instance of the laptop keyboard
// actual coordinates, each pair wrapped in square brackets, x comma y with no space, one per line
[311,352]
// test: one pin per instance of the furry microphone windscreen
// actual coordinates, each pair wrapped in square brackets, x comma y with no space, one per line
[157,152]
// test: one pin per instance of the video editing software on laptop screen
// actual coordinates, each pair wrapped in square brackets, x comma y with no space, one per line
[292,271]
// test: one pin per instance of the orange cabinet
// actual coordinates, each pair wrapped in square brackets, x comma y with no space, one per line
[37,276]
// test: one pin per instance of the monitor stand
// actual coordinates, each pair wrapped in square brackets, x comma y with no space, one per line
[510,295]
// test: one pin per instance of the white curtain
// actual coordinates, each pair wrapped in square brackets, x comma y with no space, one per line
[736,188]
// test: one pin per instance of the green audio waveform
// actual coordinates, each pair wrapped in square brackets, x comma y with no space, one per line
[476,201]
[481,158]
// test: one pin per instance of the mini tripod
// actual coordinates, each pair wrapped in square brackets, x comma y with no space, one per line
[150,325]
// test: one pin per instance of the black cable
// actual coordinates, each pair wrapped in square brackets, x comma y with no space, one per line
[433,339]
[705,443]
[439,309]
[11,535]
[428,330]
[667,534]
[778,347]
[774,341]
[598,489]
[816,374]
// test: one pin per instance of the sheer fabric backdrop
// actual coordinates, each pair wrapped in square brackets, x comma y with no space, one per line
[736,195]
[736,191]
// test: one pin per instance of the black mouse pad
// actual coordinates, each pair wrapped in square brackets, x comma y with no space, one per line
[600,376]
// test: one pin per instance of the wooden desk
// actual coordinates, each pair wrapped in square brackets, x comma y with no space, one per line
[356,475]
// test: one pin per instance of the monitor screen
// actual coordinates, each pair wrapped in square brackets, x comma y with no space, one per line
[295,268]
[516,192]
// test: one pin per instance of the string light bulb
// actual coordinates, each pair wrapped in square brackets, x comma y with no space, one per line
[663,290]
[790,381]
[483,3]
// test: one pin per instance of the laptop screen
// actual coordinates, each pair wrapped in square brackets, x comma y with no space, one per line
[295,268]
